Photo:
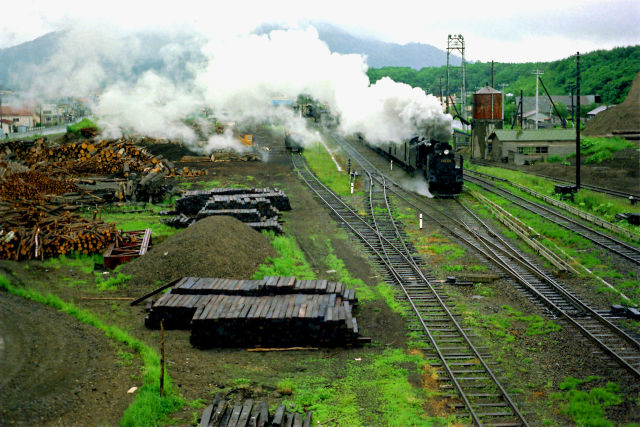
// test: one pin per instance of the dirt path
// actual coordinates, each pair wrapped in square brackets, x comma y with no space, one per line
[55,370]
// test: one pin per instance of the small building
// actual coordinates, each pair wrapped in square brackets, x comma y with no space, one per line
[544,121]
[528,146]
[18,117]
[591,114]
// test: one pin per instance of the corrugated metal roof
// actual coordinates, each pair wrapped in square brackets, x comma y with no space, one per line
[487,89]
[599,109]
[536,135]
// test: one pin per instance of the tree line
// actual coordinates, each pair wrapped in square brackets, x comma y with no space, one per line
[607,73]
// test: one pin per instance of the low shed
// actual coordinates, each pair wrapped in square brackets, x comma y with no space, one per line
[528,146]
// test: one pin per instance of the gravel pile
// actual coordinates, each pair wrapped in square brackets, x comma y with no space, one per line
[621,118]
[217,246]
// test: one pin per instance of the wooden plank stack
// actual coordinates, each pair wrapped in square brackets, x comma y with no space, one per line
[249,413]
[274,311]
[257,207]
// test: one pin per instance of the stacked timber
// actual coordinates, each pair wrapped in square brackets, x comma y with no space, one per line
[274,311]
[31,230]
[35,222]
[249,413]
[257,207]
[269,285]
[107,157]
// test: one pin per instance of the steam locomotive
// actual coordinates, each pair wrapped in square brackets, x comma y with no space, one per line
[435,160]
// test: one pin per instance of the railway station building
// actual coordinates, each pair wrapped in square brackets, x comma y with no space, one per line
[522,147]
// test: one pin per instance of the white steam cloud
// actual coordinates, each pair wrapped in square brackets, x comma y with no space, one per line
[238,77]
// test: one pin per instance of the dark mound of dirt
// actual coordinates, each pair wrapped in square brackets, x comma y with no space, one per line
[621,119]
[212,247]
[172,151]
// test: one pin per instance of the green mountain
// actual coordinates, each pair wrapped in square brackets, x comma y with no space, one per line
[608,73]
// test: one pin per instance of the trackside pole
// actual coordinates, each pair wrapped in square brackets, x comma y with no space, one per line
[420,221]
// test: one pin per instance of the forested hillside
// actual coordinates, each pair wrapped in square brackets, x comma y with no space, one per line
[608,73]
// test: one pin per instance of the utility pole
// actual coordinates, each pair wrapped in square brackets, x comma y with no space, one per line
[578,121]
[502,85]
[521,111]
[441,89]
[573,120]
[492,74]
[537,73]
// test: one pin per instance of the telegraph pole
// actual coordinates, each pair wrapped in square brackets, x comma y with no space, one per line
[537,73]
[502,85]
[578,121]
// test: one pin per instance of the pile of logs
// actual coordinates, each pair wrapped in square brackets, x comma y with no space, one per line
[107,157]
[32,186]
[222,413]
[34,229]
[257,207]
[274,311]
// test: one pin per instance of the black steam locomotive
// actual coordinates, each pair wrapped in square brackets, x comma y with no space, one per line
[435,159]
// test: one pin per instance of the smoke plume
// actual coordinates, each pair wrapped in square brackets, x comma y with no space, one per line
[236,76]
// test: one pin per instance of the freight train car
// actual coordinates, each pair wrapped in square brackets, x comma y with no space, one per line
[435,160]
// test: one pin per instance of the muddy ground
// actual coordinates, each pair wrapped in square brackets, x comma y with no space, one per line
[74,376]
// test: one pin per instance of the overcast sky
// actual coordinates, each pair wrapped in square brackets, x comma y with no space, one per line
[539,30]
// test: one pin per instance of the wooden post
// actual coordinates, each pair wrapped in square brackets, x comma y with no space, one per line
[162,358]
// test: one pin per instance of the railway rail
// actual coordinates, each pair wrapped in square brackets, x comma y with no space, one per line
[541,287]
[482,396]
[612,244]
[610,191]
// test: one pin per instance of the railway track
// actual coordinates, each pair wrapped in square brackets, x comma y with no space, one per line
[481,396]
[623,249]
[610,191]
[540,286]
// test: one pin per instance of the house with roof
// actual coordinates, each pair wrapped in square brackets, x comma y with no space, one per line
[15,118]
[544,120]
[523,147]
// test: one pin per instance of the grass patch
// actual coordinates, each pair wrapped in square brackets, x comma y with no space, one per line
[74,261]
[364,292]
[587,407]
[599,204]
[325,169]
[381,379]
[449,251]
[112,283]
[582,250]
[501,324]
[387,293]
[75,128]
[149,409]
[138,221]
[536,325]
[597,150]
[290,262]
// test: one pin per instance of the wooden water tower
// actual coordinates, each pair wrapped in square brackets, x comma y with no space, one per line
[487,117]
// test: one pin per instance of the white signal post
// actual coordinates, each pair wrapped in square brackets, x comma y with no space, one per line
[420,221]
[391,165]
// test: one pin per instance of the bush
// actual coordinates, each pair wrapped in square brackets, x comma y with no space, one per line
[75,128]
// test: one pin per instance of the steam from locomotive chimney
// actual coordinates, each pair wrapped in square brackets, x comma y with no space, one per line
[241,75]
